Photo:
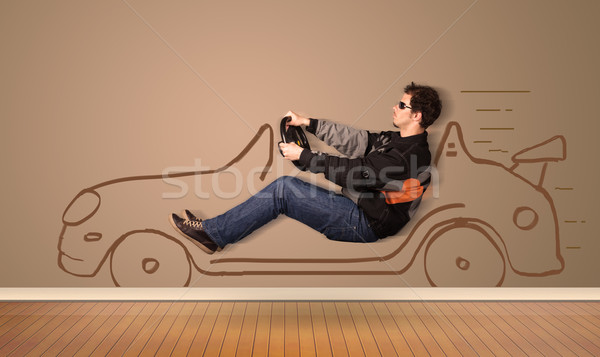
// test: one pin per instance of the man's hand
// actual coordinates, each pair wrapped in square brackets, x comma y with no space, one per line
[296,120]
[290,151]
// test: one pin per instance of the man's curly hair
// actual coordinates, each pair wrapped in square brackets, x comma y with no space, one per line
[426,100]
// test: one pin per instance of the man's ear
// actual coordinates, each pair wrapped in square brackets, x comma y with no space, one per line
[417,116]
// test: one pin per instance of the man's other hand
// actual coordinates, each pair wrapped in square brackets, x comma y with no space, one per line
[290,151]
[296,120]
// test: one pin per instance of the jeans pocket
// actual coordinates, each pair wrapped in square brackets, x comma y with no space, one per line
[343,234]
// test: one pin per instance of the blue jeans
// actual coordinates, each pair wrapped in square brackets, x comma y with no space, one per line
[334,215]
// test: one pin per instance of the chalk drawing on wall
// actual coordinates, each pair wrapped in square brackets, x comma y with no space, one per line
[458,242]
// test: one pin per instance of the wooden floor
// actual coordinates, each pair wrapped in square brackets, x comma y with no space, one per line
[300,328]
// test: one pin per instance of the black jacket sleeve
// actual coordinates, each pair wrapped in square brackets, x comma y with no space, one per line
[360,174]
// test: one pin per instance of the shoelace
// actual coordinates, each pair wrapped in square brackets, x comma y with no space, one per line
[197,225]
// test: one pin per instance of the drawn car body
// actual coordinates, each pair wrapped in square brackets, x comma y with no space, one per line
[457,239]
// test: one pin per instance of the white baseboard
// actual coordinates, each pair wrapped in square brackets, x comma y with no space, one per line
[298,294]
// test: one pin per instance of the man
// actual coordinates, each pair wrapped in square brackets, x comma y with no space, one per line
[383,177]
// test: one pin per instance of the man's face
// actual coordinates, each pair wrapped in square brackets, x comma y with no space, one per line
[402,117]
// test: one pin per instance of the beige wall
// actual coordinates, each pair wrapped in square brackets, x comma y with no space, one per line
[94,91]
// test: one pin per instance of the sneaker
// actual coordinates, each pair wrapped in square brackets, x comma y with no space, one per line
[193,231]
[190,216]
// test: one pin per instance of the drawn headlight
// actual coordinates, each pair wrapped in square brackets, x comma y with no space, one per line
[525,218]
[81,208]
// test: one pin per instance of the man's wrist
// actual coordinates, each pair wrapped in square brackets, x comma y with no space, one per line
[305,157]
[312,126]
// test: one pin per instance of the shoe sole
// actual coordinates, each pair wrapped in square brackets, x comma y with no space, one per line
[196,243]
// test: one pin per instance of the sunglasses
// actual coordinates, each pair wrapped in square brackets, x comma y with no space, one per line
[402,105]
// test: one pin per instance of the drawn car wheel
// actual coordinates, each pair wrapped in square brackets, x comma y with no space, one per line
[464,255]
[150,259]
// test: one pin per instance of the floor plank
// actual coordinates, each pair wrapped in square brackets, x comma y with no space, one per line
[202,336]
[511,331]
[292,333]
[8,308]
[141,334]
[530,321]
[184,341]
[62,329]
[475,339]
[444,331]
[248,330]
[59,320]
[113,336]
[14,312]
[131,332]
[351,336]
[217,335]
[571,322]
[90,329]
[101,333]
[595,306]
[367,339]
[390,340]
[586,310]
[234,329]
[99,309]
[412,321]
[263,329]
[399,330]
[334,330]
[446,324]
[32,328]
[581,316]
[17,323]
[305,330]
[322,341]
[155,339]
[277,334]
[555,327]
[505,344]
[176,331]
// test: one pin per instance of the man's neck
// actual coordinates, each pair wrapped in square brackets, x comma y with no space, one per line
[411,130]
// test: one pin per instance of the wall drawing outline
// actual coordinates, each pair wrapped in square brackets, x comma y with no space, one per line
[96,236]
[421,237]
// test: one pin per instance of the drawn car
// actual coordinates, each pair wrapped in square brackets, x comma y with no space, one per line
[478,220]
